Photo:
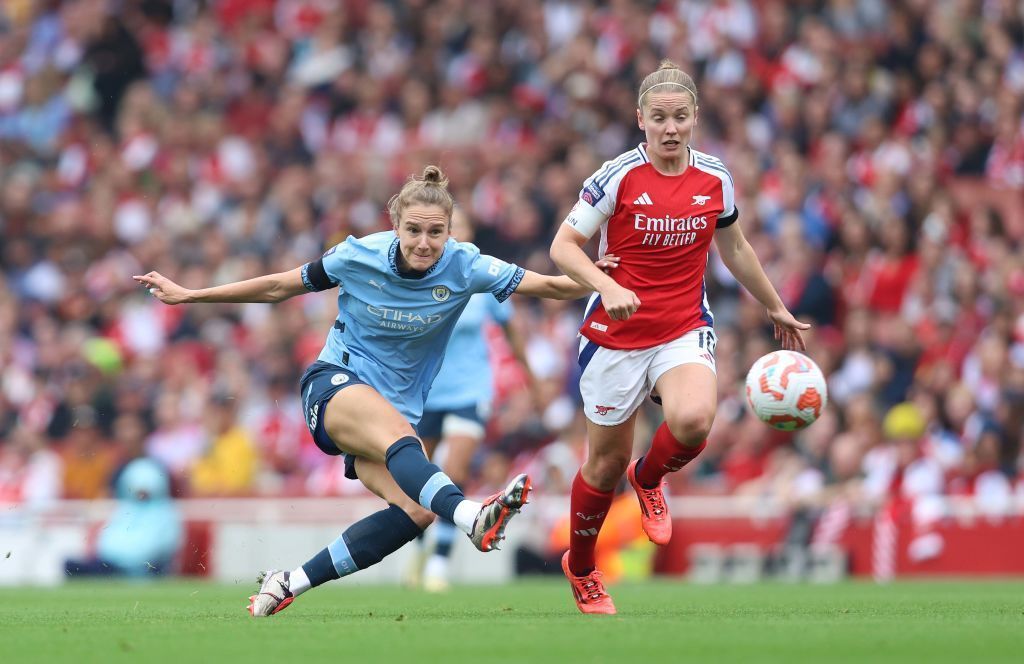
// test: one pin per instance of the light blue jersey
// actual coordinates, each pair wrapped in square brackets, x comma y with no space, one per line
[392,330]
[466,378]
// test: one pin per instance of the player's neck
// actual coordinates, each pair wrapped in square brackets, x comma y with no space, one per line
[674,166]
[406,271]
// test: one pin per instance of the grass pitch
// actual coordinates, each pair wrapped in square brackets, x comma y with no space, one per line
[660,621]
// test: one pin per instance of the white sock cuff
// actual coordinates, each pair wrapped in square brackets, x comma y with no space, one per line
[465,515]
[298,582]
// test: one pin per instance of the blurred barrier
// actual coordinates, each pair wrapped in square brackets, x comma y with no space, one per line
[722,539]
[734,540]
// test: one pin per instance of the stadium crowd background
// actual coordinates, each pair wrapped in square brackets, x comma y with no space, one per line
[877,148]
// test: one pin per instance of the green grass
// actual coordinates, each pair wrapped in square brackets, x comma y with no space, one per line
[661,622]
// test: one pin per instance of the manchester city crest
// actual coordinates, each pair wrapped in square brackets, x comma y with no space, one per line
[441,293]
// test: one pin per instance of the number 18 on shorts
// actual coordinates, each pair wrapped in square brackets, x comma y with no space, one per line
[614,383]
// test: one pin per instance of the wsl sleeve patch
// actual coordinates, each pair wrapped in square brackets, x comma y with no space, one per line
[592,193]
[511,286]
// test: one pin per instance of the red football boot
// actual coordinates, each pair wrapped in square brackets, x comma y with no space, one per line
[653,511]
[588,591]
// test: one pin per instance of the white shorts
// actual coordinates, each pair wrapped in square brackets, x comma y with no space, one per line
[615,382]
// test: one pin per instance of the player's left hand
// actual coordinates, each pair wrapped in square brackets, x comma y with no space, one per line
[787,329]
[608,262]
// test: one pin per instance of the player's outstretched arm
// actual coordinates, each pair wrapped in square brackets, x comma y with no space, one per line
[268,288]
[562,287]
[567,253]
[739,257]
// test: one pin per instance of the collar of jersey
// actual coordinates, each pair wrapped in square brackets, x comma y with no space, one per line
[393,261]
[690,159]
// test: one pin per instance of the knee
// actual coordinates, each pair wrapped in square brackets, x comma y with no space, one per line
[420,516]
[603,471]
[690,428]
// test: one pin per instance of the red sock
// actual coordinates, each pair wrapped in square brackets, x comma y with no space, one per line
[666,455]
[589,509]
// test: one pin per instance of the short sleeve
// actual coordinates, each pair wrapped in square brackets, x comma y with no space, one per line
[714,166]
[729,212]
[326,271]
[335,258]
[492,275]
[600,192]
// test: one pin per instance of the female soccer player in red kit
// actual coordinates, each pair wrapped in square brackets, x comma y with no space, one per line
[648,326]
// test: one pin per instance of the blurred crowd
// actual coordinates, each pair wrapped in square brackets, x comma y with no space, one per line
[877,149]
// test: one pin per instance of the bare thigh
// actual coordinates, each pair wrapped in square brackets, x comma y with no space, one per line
[689,398]
[376,477]
[461,449]
[430,445]
[609,450]
[363,423]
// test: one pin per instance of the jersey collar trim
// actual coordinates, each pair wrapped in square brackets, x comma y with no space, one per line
[393,262]
[642,151]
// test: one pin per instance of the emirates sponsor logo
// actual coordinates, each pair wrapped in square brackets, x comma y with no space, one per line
[668,231]
[642,222]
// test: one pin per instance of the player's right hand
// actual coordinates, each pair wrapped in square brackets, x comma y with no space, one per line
[619,302]
[163,288]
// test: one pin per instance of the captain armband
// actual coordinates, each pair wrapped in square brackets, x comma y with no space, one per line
[315,278]
[585,218]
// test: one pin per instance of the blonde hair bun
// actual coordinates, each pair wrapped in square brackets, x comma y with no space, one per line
[430,188]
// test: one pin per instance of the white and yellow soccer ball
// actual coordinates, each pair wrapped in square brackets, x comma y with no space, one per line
[786,390]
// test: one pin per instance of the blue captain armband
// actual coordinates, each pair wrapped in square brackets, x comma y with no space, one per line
[314,277]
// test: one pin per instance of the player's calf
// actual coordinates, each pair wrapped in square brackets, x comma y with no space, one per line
[364,543]
[667,455]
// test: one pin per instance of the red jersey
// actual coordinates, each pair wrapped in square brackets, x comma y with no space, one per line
[661,227]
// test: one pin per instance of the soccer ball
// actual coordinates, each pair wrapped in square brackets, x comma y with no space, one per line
[786,390]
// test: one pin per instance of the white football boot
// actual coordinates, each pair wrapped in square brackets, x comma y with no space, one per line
[273,595]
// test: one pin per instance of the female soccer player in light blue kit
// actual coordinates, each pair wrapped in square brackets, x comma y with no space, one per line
[459,405]
[400,294]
